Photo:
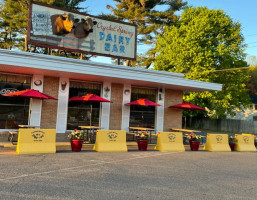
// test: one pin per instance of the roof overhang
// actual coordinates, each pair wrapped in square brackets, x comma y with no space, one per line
[32,63]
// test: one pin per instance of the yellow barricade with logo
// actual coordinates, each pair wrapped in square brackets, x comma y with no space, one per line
[217,142]
[32,141]
[110,140]
[245,142]
[170,141]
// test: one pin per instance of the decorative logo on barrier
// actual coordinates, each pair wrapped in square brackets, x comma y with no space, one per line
[38,135]
[246,139]
[172,137]
[8,90]
[112,136]
[219,138]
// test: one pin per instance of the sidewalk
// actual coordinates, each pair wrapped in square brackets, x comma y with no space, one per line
[65,146]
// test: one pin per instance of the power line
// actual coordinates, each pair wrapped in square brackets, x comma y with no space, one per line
[251,42]
[251,35]
[252,47]
[220,70]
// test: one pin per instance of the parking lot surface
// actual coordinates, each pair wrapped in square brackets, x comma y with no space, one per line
[129,175]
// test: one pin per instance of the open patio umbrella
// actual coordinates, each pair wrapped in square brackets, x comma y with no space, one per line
[143,102]
[91,98]
[29,93]
[186,106]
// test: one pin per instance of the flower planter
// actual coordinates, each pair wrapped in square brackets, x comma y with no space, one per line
[76,145]
[232,146]
[194,145]
[142,144]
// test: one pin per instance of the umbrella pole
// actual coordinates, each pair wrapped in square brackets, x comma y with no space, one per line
[91,109]
[142,119]
[30,104]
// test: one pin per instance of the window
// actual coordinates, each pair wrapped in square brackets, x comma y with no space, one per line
[13,110]
[142,116]
[79,112]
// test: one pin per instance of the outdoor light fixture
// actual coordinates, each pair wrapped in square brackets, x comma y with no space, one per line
[38,82]
[160,97]
[63,85]
[106,90]
[126,92]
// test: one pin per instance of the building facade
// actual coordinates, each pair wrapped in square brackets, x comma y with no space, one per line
[63,78]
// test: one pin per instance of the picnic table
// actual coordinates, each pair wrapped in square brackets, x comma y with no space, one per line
[90,131]
[142,129]
[13,134]
[186,132]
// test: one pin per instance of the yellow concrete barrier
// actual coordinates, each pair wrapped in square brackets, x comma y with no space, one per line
[245,142]
[217,142]
[32,141]
[170,141]
[110,140]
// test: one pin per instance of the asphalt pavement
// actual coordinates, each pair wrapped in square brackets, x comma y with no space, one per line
[129,175]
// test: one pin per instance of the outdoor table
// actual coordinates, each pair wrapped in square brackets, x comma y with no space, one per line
[29,126]
[147,130]
[186,132]
[12,134]
[90,129]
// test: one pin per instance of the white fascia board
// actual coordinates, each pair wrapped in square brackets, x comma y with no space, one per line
[62,64]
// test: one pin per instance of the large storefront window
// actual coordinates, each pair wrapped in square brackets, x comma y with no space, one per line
[79,112]
[13,110]
[142,116]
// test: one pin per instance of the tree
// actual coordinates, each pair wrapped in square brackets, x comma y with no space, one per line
[14,20]
[149,20]
[207,45]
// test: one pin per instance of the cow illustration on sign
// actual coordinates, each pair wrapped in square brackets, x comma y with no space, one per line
[62,24]
[67,25]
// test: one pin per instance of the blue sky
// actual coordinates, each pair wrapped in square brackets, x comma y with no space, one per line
[242,11]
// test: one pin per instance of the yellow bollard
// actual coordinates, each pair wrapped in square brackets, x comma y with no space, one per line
[32,141]
[170,141]
[110,140]
[217,142]
[245,142]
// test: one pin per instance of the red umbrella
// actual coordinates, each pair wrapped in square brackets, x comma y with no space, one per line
[187,106]
[29,93]
[91,98]
[143,102]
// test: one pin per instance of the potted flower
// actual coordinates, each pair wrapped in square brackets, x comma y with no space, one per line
[232,142]
[194,141]
[142,141]
[76,140]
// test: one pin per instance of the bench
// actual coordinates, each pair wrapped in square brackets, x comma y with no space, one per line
[13,136]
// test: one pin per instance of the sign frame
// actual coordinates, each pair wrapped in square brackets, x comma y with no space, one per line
[40,44]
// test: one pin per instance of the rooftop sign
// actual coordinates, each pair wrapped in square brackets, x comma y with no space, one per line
[58,28]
